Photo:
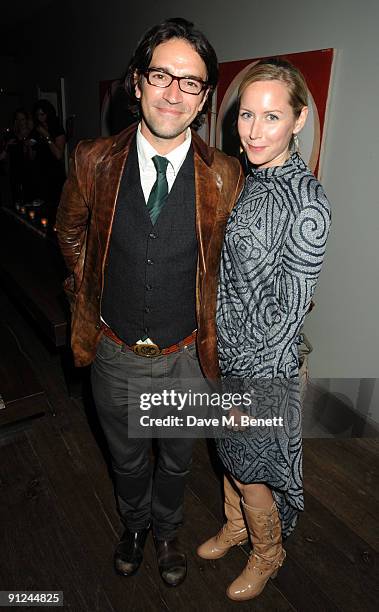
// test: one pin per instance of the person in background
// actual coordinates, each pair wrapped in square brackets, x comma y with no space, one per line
[47,153]
[272,255]
[17,147]
[138,231]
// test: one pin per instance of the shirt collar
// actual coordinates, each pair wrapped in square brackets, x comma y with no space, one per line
[176,157]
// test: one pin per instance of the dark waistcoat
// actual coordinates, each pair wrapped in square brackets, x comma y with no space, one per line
[150,276]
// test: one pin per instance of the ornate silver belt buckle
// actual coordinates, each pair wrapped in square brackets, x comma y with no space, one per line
[147,350]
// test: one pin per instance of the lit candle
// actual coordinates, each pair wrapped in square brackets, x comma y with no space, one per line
[44,222]
[32,214]
[22,210]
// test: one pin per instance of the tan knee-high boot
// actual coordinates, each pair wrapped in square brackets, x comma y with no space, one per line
[232,533]
[267,554]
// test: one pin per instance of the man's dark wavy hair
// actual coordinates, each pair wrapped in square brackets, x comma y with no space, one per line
[175,27]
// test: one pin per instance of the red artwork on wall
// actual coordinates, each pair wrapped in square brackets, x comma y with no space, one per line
[316,67]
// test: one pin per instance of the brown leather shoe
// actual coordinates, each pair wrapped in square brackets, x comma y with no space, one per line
[267,555]
[234,531]
[129,552]
[172,563]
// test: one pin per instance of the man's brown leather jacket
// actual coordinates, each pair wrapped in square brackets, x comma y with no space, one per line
[84,224]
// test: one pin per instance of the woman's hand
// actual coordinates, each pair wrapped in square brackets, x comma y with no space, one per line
[236,414]
[43,131]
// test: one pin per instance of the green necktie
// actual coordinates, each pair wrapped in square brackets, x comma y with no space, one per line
[159,192]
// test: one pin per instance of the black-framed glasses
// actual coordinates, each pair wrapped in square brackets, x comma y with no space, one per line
[161,78]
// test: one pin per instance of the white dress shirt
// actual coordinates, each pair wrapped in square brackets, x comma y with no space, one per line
[148,173]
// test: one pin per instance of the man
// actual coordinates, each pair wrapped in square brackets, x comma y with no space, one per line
[140,225]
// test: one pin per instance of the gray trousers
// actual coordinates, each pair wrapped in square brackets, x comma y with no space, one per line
[147,493]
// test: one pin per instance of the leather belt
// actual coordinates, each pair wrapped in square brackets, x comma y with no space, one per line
[145,349]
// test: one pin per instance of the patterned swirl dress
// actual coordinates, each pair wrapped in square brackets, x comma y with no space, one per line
[272,255]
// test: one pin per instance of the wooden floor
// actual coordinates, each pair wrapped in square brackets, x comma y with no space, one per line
[59,527]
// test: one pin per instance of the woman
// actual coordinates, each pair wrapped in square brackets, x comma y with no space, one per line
[48,153]
[17,148]
[272,255]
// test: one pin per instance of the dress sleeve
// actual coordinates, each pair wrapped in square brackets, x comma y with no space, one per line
[282,314]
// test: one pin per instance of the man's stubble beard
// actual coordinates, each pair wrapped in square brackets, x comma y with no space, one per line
[169,134]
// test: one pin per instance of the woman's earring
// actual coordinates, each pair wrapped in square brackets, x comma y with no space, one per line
[296,142]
